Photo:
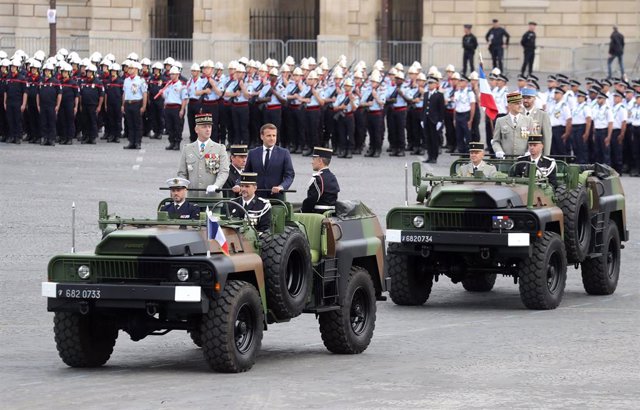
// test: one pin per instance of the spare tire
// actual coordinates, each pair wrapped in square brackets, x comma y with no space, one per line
[577,222]
[288,273]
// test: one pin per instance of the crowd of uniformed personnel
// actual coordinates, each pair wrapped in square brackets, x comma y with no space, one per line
[313,103]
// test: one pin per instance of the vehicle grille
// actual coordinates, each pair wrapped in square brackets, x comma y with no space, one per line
[115,270]
[450,221]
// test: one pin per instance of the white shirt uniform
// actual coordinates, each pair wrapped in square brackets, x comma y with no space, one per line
[620,115]
[634,118]
[559,113]
[602,116]
[570,98]
[580,114]
[463,100]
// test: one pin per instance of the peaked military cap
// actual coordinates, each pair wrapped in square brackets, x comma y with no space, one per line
[535,138]
[322,152]
[204,119]
[248,178]
[514,98]
[238,150]
[529,92]
[558,90]
[533,77]
[476,146]
[581,93]
[178,182]
[468,26]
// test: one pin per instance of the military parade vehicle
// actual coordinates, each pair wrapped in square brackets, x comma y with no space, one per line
[471,229]
[151,276]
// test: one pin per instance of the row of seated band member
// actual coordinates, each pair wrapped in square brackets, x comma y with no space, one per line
[546,166]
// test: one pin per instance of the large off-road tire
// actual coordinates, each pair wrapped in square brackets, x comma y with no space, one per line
[577,222]
[288,272]
[196,337]
[600,275]
[231,332]
[543,275]
[479,283]
[84,340]
[349,330]
[410,284]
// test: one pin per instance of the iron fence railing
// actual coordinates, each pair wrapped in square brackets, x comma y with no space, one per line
[584,60]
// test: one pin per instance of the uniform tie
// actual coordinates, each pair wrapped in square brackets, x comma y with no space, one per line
[202,144]
[266,159]
[474,170]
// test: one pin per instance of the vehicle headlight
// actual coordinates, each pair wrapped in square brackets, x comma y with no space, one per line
[84,272]
[418,221]
[182,274]
[502,222]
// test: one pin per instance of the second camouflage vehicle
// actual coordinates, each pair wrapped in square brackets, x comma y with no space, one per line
[471,229]
[151,276]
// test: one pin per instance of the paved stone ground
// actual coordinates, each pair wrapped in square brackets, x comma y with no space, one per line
[460,350]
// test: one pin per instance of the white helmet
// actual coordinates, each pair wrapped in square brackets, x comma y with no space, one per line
[264,68]
[243,61]
[63,51]
[136,64]
[39,55]
[51,60]
[115,67]
[85,62]
[311,61]
[450,68]
[133,57]
[75,60]
[273,71]
[178,64]
[36,64]
[105,62]
[233,64]
[157,65]
[145,61]
[95,57]
[92,67]
[127,63]
[48,66]
[16,62]
[110,57]
[174,70]
[290,61]
[195,67]
[219,66]
[241,68]
[5,62]
[66,66]
[169,60]
[207,64]
[3,54]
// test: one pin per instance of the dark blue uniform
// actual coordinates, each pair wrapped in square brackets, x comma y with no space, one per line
[4,131]
[186,211]
[91,91]
[232,180]
[48,92]
[322,194]
[16,88]
[155,106]
[66,114]
[32,118]
[255,206]
[113,93]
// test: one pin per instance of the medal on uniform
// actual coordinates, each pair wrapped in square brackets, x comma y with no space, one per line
[524,133]
[211,163]
[557,114]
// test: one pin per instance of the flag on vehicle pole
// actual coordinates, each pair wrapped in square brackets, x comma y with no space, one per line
[486,97]
[214,232]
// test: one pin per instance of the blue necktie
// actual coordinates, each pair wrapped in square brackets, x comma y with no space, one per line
[202,147]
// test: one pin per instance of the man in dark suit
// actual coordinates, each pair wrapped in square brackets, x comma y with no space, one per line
[238,154]
[180,208]
[322,194]
[257,209]
[433,119]
[546,165]
[272,164]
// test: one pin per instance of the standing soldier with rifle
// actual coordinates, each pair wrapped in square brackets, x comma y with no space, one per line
[296,127]
[210,97]
[373,102]
[156,105]
[194,88]
[271,99]
[239,95]
[312,100]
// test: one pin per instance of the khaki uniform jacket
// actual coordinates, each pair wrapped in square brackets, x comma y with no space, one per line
[210,167]
[541,118]
[511,139]
[466,170]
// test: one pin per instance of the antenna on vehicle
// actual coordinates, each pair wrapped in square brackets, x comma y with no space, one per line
[73,227]
[406,184]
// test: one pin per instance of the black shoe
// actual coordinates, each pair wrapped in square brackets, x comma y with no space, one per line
[130,146]
[400,153]
[17,141]
[169,147]
[156,136]
[137,146]
[450,150]
[342,154]
[35,141]
[369,154]
[390,150]
[357,151]
[116,140]
[91,141]
[176,147]
[376,153]
[348,155]
[106,137]
[68,142]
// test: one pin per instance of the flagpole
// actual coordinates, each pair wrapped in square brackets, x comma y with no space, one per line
[208,240]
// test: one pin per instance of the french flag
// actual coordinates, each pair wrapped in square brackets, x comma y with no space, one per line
[214,232]
[486,98]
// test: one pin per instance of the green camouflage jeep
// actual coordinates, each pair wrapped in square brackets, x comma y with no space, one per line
[471,229]
[151,276]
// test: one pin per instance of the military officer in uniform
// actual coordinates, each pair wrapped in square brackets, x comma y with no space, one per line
[238,161]
[512,130]
[91,98]
[322,194]
[476,154]
[180,208]
[546,165]
[49,99]
[204,162]
[538,116]
[528,43]
[134,104]
[257,209]
[560,117]
[175,105]
[469,45]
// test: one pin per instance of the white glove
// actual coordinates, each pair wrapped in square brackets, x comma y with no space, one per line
[422,124]
[211,188]
[499,154]
[438,125]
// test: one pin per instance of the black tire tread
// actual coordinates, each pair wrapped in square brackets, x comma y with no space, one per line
[271,257]
[76,345]
[406,290]
[335,327]
[479,283]
[217,345]
[594,271]
[532,278]
[568,201]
